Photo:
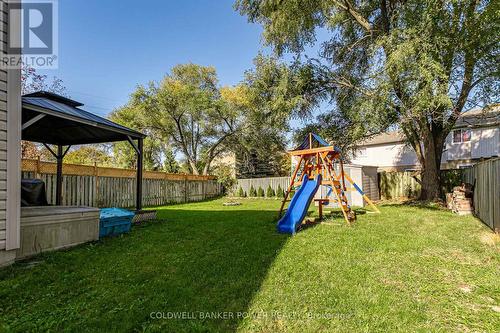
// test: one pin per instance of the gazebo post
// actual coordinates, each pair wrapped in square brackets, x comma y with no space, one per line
[59,158]
[140,146]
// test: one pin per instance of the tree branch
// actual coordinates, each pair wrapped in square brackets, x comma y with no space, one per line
[348,7]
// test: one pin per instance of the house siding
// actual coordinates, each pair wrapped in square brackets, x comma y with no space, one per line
[3,132]
[387,155]
[397,156]
[486,142]
[10,150]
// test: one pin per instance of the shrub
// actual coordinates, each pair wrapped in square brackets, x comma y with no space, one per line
[241,193]
[225,177]
[270,192]
[279,192]
[260,192]
[252,192]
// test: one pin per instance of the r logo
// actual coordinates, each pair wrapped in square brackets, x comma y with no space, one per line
[37,27]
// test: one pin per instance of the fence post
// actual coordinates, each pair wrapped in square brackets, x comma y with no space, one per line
[37,168]
[96,187]
[203,189]
[164,186]
[185,189]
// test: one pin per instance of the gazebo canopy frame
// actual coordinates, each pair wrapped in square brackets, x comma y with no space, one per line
[51,119]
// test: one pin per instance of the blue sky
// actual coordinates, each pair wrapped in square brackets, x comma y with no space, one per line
[106,48]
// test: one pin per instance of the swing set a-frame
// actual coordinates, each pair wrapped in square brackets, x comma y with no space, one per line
[317,157]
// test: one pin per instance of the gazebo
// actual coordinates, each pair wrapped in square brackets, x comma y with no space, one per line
[51,119]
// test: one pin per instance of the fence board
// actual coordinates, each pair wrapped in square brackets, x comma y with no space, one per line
[394,185]
[486,178]
[111,187]
[274,182]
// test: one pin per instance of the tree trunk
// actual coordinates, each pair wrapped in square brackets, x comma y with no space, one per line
[194,168]
[431,180]
[431,175]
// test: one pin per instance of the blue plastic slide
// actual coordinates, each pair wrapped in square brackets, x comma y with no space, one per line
[297,209]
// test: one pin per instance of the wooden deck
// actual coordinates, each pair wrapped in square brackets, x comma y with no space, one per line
[56,227]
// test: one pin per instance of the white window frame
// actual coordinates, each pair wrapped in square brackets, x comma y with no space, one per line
[461,135]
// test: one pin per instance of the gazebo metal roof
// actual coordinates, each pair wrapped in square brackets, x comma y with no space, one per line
[60,121]
[52,119]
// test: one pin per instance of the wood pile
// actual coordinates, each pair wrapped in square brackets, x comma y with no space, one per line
[460,200]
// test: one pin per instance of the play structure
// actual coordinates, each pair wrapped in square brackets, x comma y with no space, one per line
[320,164]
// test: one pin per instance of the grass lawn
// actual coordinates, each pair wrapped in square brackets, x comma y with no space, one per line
[407,269]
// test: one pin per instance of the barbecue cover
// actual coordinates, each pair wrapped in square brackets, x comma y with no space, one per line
[33,193]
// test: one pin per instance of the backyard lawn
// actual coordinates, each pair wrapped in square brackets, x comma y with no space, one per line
[211,268]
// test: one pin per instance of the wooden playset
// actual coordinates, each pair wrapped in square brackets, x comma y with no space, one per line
[318,158]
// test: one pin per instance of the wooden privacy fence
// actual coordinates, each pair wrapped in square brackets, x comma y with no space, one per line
[112,187]
[486,178]
[394,185]
[274,182]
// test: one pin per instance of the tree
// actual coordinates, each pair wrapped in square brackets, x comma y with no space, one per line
[241,193]
[270,192]
[260,144]
[32,81]
[155,148]
[187,112]
[90,155]
[410,64]
[170,164]
[279,192]
[260,192]
[225,177]
[252,192]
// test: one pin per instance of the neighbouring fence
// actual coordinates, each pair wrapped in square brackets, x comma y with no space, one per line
[485,176]
[111,187]
[394,185]
[274,182]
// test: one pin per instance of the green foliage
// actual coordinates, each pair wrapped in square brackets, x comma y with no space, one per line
[252,193]
[224,174]
[89,155]
[410,65]
[270,192]
[260,192]
[170,164]
[279,192]
[189,112]
[241,193]
[154,148]
[451,178]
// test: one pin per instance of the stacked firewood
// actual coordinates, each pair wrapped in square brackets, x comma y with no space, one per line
[460,200]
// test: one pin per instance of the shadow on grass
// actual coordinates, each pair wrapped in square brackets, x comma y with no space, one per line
[197,270]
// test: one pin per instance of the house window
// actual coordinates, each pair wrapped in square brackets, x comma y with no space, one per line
[465,166]
[461,135]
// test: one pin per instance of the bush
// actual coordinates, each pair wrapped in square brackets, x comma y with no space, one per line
[270,192]
[225,177]
[279,192]
[241,193]
[260,192]
[252,192]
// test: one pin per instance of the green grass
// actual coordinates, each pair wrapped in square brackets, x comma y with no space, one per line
[408,269]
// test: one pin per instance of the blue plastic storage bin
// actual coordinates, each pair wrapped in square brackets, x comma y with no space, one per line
[114,221]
